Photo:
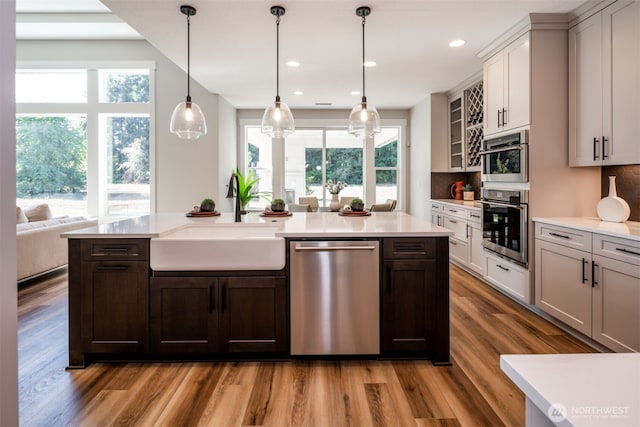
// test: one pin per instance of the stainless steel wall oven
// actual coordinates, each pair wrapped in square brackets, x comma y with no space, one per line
[505,223]
[506,158]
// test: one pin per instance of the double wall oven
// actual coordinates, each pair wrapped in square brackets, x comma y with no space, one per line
[505,224]
[505,204]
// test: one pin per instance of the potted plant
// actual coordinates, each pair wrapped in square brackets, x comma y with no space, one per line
[467,192]
[277,205]
[247,188]
[207,205]
[357,205]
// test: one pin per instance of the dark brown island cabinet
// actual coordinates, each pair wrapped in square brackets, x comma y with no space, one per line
[120,309]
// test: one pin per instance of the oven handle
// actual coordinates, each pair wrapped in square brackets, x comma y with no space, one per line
[506,205]
[508,148]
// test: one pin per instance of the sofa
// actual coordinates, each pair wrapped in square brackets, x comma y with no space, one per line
[40,249]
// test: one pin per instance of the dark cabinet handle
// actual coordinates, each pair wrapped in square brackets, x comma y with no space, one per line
[474,216]
[604,149]
[212,299]
[584,274]
[504,117]
[559,235]
[223,297]
[627,251]
[595,148]
[499,113]
[502,268]
[453,221]
[593,274]
[113,267]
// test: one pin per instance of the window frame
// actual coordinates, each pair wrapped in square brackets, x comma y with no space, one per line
[94,110]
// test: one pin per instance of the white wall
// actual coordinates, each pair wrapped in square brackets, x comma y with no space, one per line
[185,172]
[8,288]
[227,151]
[420,159]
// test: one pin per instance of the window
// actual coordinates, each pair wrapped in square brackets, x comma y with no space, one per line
[82,147]
[312,156]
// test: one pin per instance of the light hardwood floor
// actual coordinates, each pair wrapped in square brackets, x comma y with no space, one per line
[471,392]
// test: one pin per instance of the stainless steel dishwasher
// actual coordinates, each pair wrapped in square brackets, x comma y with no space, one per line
[335,297]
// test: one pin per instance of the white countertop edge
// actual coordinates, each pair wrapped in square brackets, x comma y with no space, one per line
[574,380]
[467,204]
[626,230]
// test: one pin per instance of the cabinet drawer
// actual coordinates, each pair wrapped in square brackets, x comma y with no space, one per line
[508,277]
[569,237]
[625,250]
[455,211]
[436,207]
[458,226]
[458,251]
[474,216]
[408,248]
[115,249]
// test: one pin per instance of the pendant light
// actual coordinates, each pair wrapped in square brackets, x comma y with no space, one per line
[187,120]
[277,120]
[364,119]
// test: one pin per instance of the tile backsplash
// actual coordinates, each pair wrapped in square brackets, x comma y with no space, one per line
[441,183]
[627,186]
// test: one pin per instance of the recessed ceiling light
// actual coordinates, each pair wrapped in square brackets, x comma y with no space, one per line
[293,64]
[298,92]
[355,92]
[370,64]
[457,43]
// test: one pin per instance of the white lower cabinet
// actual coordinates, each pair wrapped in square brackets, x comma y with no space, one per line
[476,260]
[458,251]
[508,276]
[594,289]
[563,285]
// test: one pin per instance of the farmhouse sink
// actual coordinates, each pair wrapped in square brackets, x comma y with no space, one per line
[218,247]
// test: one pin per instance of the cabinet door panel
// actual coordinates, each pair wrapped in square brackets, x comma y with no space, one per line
[563,285]
[409,295]
[253,314]
[476,253]
[585,92]
[184,315]
[517,82]
[115,306]
[621,51]
[616,304]
[493,70]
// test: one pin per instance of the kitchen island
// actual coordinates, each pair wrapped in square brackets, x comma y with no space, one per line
[121,307]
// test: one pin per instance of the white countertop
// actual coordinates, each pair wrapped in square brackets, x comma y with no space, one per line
[466,204]
[312,225]
[627,230]
[594,389]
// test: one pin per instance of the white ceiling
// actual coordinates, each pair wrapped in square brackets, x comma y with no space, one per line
[233,43]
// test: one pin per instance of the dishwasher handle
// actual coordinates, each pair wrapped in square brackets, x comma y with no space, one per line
[335,248]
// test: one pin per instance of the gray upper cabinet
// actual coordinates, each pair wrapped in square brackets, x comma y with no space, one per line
[604,88]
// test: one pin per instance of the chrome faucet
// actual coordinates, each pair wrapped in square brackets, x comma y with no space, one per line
[234,191]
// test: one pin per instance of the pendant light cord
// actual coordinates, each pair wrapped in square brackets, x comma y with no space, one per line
[278,58]
[364,19]
[188,57]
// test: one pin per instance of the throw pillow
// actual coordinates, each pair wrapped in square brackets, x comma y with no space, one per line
[39,212]
[21,218]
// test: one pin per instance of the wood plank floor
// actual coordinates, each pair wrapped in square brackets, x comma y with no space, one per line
[471,392]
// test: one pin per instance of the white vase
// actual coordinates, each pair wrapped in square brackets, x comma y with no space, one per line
[335,203]
[612,208]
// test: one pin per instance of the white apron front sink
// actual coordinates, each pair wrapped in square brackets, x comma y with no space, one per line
[219,247]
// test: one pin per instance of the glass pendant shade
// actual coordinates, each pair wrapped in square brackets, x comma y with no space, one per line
[277,120]
[187,121]
[364,119]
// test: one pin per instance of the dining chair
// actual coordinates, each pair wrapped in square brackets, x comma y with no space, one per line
[299,207]
[311,201]
[346,200]
[393,203]
[381,207]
